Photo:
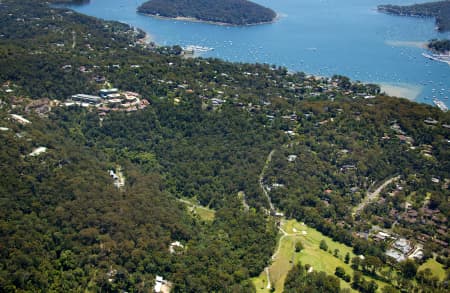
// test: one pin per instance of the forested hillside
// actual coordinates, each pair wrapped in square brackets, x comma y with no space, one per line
[440,10]
[93,197]
[236,12]
[343,148]
[65,225]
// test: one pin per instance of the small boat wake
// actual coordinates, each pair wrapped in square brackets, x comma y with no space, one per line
[438,57]
[197,49]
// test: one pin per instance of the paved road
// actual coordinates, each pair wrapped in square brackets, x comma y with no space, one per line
[371,196]
[261,178]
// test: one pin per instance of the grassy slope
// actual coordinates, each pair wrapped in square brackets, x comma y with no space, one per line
[204,213]
[311,254]
[435,267]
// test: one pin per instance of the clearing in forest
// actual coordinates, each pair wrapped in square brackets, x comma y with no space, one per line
[206,214]
[285,256]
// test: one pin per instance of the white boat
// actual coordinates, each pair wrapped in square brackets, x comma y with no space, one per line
[195,48]
[441,105]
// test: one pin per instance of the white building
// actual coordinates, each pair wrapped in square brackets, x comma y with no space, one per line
[292,158]
[174,244]
[158,284]
[38,151]
[403,245]
[20,119]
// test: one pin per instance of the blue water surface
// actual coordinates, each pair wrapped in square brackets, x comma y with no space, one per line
[321,37]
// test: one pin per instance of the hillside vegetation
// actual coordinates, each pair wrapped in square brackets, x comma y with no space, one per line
[65,227]
[203,136]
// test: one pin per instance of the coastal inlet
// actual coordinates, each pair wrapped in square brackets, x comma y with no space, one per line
[323,38]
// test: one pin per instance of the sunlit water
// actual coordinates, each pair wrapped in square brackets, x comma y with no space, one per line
[322,37]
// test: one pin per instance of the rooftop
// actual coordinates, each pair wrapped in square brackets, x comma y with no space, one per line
[38,151]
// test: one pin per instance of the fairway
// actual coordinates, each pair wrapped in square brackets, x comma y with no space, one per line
[285,256]
[436,268]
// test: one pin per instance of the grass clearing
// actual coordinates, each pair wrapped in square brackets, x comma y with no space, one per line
[280,266]
[319,259]
[311,254]
[436,268]
[283,262]
[206,214]
[260,283]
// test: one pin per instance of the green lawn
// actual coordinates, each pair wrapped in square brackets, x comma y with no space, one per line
[311,254]
[435,267]
[204,213]
[260,283]
[283,262]
[280,266]
[320,260]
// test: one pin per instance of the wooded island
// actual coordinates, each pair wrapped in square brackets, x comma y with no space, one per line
[231,12]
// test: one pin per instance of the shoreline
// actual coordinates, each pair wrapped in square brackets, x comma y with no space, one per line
[410,44]
[193,19]
[147,40]
[391,84]
[401,90]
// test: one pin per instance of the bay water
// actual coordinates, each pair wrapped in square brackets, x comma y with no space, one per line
[320,37]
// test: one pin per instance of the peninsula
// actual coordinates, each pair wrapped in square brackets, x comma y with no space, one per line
[229,12]
[440,10]
[439,46]
[440,52]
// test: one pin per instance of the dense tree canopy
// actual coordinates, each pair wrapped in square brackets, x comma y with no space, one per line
[205,136]
[300,280]
[441,46]
[237,12]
